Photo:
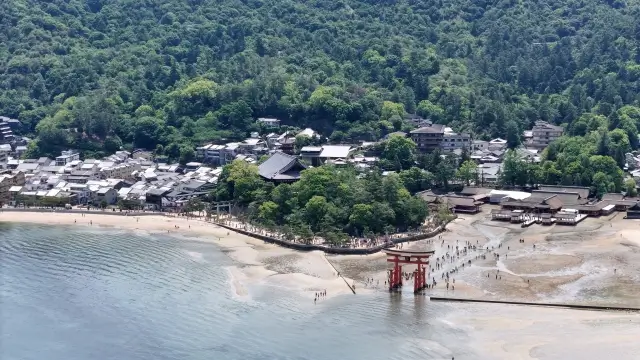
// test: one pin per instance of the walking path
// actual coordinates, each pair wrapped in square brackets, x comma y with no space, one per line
[352,288]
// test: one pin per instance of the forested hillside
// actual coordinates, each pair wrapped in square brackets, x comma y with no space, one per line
[168,74]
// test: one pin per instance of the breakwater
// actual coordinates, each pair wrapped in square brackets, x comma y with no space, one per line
[565,306]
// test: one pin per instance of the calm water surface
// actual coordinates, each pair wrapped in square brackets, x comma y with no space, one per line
[69,293]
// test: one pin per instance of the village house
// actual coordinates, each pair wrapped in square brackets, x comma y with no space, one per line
[335,152]
[269,123]
[479,145]
[19,151]
[156,198]
[67,157]
[453,141]
[120,171]
[497,144]
[107,195]
[489,173]
[545,133]
[6,131]
[7,181]
[428,138]
[311,155]
[254,146]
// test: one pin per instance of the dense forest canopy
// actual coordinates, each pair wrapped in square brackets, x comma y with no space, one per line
[168,74]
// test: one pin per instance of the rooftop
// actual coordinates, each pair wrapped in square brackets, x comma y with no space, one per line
[583,192]
[433,129]
[311,149]
[543,125]
[277,165]
[335,151]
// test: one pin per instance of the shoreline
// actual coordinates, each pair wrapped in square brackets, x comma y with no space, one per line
[257,262]
[590,264]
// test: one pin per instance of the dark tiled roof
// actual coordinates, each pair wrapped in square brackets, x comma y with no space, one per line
[554,203]
[460,201]
[428,196]
[572,198]
[535,202]
[472,190]
[279,163]
[612,196]
[635,207]
[158,191]
[593,207]
[582,191]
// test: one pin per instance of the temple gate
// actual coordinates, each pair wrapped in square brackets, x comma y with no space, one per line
[399,258]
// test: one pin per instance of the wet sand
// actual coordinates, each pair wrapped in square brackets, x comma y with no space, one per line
[514,332]
[257,262]
[596,262]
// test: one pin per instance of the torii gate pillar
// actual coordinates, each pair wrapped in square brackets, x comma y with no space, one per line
[418,258]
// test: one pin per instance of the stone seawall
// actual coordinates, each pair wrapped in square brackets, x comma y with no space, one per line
[332,250]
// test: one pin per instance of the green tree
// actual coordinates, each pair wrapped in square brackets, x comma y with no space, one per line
[148,132]
[429,110]
[268,213]
[362,217]
[416,179]
[399,151]
[514,170]
[315,210]
[240,182]
[602,184]
[631,187]
[187,153]
[467,171]
[445,171]
[389,109]
[512,134]
[195,205]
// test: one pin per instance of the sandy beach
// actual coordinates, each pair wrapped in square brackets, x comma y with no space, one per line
[257,262]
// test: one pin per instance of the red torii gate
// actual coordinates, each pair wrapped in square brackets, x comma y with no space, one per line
[419,258]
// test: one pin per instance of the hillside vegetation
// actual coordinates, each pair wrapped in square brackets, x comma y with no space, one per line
[167,74]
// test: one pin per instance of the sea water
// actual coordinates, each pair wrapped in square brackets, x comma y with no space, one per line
[70,293]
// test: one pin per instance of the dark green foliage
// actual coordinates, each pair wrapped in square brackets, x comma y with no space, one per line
[328,201]
[202,69]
